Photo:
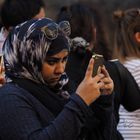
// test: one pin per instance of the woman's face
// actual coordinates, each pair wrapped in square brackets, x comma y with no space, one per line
[54,66]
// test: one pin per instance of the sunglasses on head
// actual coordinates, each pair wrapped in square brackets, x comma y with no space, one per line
[51,30]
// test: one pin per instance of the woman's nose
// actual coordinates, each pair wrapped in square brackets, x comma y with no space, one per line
[60,67]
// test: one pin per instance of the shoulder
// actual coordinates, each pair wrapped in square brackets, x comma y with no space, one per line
[11,88]
[114,67]
[12,94]
[132,65]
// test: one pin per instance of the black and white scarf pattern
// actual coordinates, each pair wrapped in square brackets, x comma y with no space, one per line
[25,50]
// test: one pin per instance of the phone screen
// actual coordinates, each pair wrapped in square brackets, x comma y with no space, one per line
[98,61]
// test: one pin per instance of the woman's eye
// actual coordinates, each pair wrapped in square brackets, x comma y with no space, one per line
[51,62]
[65,59]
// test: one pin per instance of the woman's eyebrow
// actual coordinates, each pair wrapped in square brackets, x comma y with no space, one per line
[56,58]
[53,58]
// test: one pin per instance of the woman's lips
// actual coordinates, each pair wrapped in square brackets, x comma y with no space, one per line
[55,79]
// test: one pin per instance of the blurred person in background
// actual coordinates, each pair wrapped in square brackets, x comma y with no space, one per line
[88,37]
[127,50]
[34,104]
[14,12]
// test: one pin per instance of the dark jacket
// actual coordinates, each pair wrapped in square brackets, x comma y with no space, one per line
[24,117]
[126,91]
[102,107]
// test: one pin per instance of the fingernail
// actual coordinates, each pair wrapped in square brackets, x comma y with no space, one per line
[91,60]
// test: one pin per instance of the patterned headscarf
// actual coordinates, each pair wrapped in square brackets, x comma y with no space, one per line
[28,44]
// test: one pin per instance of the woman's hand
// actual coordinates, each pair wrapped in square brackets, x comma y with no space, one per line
[89,88]
[108,82]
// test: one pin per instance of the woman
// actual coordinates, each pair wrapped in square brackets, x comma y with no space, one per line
[88,37]
[127,50]
[34,105]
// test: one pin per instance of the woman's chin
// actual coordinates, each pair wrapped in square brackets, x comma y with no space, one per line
[52,83]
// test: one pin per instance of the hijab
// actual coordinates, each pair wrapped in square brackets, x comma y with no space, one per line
[27,46]
[25,51]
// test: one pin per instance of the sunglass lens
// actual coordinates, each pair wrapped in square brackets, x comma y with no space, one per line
[51,31]
[65,27]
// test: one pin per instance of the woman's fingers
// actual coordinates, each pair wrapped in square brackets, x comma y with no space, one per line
[89,68]
[100,84]
[104,71]
[99,77]
[107,80]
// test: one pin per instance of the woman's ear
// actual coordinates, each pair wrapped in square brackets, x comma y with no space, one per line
[137,37]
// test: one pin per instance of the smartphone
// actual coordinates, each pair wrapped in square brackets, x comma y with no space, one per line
[98,61]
